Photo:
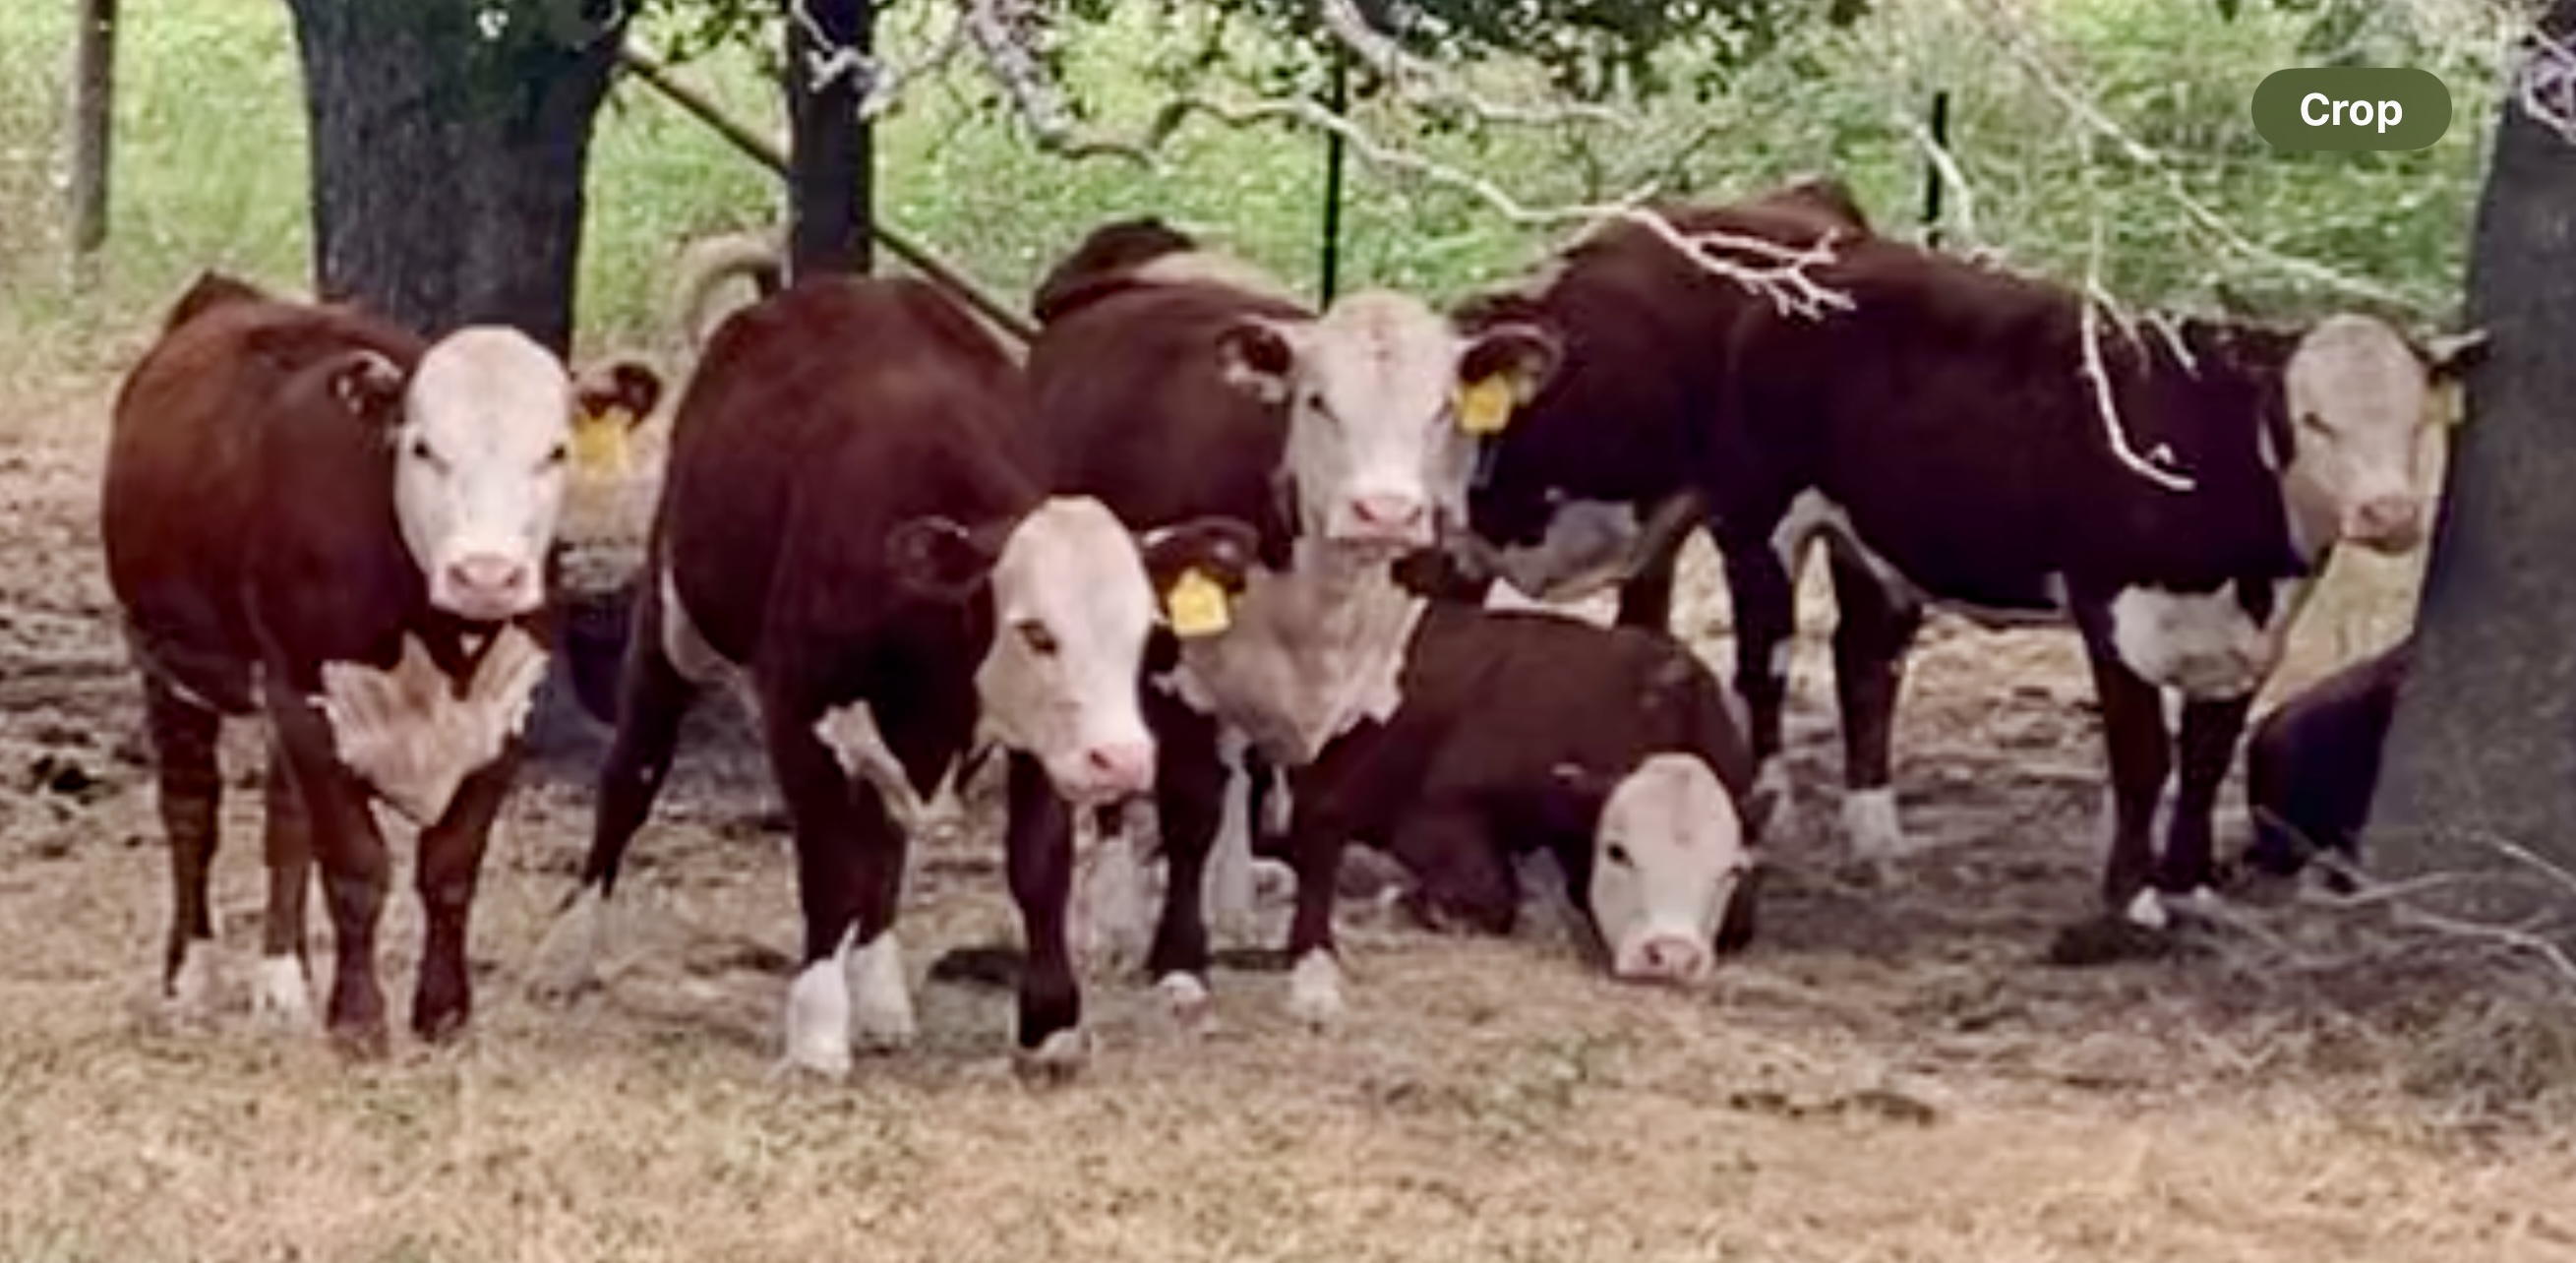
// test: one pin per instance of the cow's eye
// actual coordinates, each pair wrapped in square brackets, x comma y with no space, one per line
[2312,423]
[557,454]
[420,450]
[1618,854]
[1035,635]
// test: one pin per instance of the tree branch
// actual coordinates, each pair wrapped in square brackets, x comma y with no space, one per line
[1350,28]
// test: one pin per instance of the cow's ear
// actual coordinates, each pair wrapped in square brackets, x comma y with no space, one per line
[2449,356]
[1257,358]
[1520,354]
[368,384]
[622,393]
[1197,568]
[937,558]
[1735,926]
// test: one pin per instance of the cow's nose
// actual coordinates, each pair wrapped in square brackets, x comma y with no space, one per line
[2391,521]
[1125,767]
[1669,958]
[1387,511]
[487,578]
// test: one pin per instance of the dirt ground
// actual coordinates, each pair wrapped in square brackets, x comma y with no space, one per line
[1892,1074]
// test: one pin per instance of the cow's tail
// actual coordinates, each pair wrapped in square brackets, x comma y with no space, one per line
[707,265]
[210,290]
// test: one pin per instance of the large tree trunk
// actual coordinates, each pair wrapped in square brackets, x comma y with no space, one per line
[448,165]
[830,159]
[2481,758]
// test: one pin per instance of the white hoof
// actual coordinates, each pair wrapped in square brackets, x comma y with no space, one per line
[2147,909]
[818,1019]
[567,959]
[192,988]
[1315,990]
[283,1000]
[1058,1057]
[1871,826]
[1185,1000]
[880,994]
[2201,902]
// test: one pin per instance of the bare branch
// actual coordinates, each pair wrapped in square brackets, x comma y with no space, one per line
[1782,273]
[2545,85]
[1005,32]
[1350,28]
[2007,34]
[2154,467]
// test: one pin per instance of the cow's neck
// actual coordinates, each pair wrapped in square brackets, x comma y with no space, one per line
[1313,651]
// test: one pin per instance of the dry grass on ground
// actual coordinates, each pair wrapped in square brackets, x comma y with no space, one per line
[1891,1075]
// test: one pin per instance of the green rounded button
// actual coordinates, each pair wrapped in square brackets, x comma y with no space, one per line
[2352,107]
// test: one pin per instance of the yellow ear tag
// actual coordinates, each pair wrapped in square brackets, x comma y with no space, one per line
[2451,404]
[1197,605]
[599,441]
[1485,407]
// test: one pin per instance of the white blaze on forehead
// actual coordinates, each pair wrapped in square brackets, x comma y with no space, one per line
[2359,401]
[1372,417]
[1667,854]
[1072,606]
[479,471]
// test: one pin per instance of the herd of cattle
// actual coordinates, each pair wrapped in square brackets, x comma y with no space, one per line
[1205,544]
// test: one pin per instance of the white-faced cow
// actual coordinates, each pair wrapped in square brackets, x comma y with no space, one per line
[1170,385]
[1612,750]
[312,514]
[1945,438]
[845,528]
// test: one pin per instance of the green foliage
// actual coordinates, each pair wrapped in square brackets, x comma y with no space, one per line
[211,169]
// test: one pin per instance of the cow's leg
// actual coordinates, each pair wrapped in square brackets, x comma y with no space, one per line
[2209,734]
[1462,879]
[1231,894]
[2135,737]
[356,869]
[190,786]
[1765,623]
[1190,789]
[654,699]
[1315,845]
[450,865]
[1039,845]
[285,993]
[1874,626]
[836,820]
[1646,597]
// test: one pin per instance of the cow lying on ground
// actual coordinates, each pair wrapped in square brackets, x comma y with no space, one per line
[1170,383]
[2313,764]
[845,529]
[312,514]
[1610,749]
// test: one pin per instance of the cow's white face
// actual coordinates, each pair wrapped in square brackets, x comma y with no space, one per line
[1071,608]
[1667,858]
[2359,407]
[479,467]
[1376,449]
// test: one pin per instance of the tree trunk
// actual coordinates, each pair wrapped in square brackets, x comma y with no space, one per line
[93,129]
[448,158]
[2481,757]
[831,152]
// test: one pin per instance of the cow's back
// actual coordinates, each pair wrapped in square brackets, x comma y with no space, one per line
[818,420]
[183,488]
[1948,413]
[1130,404]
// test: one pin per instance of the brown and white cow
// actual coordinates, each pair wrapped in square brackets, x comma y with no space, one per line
[1172,382]
[2312,765]
[1945,440]
[846,530]
[313,514]
[1613,750]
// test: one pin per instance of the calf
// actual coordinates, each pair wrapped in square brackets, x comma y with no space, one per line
[845,529]
[2313,764]
[312,514]
[1611,749]
[1982,439]
[1171,382]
